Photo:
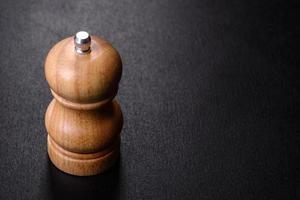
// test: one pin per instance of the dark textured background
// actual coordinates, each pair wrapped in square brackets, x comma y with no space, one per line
[210,96]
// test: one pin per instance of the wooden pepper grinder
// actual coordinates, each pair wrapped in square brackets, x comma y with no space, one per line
[83,121]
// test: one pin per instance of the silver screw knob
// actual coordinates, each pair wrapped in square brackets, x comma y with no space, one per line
[82,42]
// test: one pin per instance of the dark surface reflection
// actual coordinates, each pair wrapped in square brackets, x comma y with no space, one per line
[65,186]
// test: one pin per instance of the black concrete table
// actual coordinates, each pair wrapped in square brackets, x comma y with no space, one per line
[210,96]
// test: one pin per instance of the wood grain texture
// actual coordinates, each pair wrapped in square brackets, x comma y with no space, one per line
[83,121]
[83,79]
[81,164]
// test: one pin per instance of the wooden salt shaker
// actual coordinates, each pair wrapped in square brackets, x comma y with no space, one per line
[83,121]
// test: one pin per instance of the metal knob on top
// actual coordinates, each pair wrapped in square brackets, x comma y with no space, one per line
[82,41]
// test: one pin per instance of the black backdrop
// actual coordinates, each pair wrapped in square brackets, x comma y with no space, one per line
[210,96]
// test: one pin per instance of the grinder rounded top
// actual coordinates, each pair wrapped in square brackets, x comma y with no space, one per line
[83,72]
